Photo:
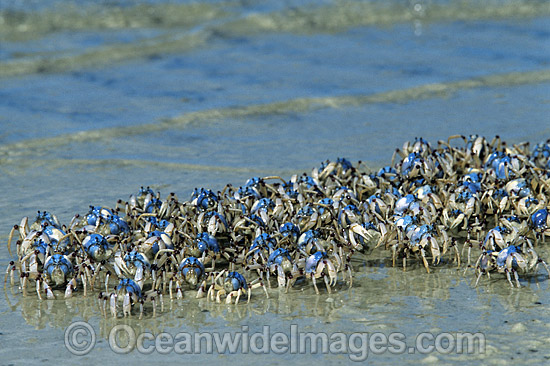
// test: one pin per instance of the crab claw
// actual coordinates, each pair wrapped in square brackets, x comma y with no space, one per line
[360,230]
[120,265]
[200,292]
[327,284]
[228,298]
[470,206]
[218,296]
[49,292]
[332,273]
[69,290]
[457,221]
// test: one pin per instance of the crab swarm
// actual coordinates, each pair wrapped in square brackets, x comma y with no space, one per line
[465,202]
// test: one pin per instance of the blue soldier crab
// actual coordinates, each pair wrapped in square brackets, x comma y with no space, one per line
[319,265]
[281,264]
[58,271]
[192,272]
[520,257]
[490,196]
[232,284]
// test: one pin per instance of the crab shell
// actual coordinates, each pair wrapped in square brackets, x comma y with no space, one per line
[192,270]
[59,269]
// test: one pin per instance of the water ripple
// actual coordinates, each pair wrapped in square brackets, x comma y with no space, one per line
[298,105]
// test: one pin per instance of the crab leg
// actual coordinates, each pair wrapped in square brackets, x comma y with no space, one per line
[82,277]
[545,266]
[170,288]
[107,280]
[281,278]
[424,260]
[38,288]
[478,277]
[516,276]
[15,227]
[103,301]
[509,277]
[126,305]
[314,283]
[9,272]
[327,284]
[23,227]
[24,283]
[113,302]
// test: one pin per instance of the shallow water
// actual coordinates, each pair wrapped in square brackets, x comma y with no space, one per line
[98,100]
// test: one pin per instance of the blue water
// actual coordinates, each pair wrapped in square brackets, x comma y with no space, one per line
[124,96]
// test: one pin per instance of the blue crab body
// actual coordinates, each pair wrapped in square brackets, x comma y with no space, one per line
[313,261]
[45,218]
[234,281]
[134,264]
[404,203]
[137,260]
[325,202]
[472,182]
[192,270]
[143,196]
[290,230]
[204,198]
[290,190]
[278,257]
[213,222]
[410,167]
[56,237]
[423,191]
[539,219]
[319,265]
[307,242]
[388,173]
[41,247]
[404,222]
[156,240]
[58,269]
[348,215]
[97,213]
[263,243]
[504,254]
[541,155]
[205,242]
[97,247]
[375,202]
[247,192]
[263,204]
[420,231]
[131,293]
[118,226]
[308,181]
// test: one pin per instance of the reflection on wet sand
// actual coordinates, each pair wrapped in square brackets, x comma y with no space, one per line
[177,313]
